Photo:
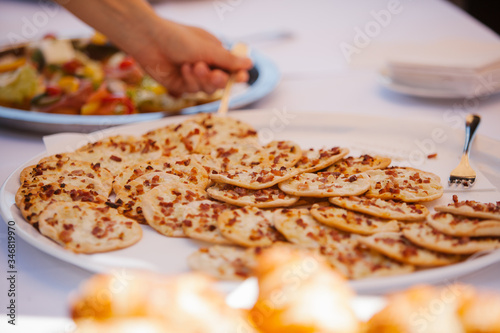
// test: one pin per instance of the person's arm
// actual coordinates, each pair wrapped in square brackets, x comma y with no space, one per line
[180,57]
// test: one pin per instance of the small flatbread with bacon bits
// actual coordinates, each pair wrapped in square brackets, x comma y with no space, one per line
[116,152]
[405,184]
[63,166]
[396,246]
[300,228]
[88,227]
[164,206]
[207,162]
[239,196]
[386,209]
[32,202]
[177,139]
[255,178]
[102,187]
[472,208]
[424,235]
[184,167]
[355,261]
[129,199]
[200,221]
[248,155]
[352,165]
[220,130]
[249,227]
[351,221]
[325,184]
[282,153]
[313,160]
[231,156]
[224,262]
[463,226]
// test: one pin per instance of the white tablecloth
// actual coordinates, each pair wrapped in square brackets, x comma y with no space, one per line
[316,77]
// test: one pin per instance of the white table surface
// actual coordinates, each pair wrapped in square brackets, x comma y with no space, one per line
[316,77]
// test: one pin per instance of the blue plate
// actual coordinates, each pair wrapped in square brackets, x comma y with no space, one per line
[264,77]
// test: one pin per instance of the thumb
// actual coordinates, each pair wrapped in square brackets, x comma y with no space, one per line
[222,58]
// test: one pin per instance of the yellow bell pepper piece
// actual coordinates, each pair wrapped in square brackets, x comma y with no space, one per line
[12,65]
[94,72]
[158,90]
[90,108]
[69,84]
[98,38]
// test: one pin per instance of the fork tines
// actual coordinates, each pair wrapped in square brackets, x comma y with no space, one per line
[465,182]
[463,174]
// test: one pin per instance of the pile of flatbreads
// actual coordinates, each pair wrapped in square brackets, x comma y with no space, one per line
[209,179]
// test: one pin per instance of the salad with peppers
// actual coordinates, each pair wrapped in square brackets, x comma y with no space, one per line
[83,77]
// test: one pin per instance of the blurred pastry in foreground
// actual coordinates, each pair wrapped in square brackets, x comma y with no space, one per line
[421,309]
[121,325]
[454,308]
[186,303]
[480,311]
[299,293]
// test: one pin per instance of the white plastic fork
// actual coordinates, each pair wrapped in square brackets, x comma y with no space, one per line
[463,174]
[240,50]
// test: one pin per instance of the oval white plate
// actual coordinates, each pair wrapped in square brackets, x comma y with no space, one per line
[362,134]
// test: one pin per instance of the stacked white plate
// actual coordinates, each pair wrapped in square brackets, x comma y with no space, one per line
[445,69]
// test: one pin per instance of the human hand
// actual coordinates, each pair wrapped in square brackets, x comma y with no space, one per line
[182,58]
[187,59]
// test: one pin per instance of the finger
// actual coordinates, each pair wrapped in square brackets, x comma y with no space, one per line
[220,57]
[189,79]
[174,83]
[241,76]
[202,73]
[218,78]
[168,76]
[201,70]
